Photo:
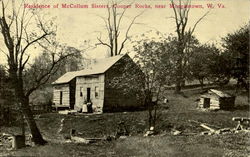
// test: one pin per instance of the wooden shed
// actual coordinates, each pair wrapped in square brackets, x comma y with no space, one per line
[215,99]
[92,85]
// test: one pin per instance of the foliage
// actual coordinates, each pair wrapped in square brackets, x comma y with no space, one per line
[9,113]
[3,77]
[205,64]
[6,93]
[220,74]
[236,46]
[155,60]
[186,57]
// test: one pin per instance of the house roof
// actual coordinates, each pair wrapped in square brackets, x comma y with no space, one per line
[98,67]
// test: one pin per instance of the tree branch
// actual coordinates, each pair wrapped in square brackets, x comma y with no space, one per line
[42,79]
[102,43]
[35,40]
[199,20]
[126,35]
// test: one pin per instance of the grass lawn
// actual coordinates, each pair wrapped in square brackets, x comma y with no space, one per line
[181,109]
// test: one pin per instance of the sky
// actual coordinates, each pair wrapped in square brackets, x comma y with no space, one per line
[78,25]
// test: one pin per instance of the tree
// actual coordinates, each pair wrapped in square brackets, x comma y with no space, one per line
[155,63]
[19,34]
[74,62]
[236,46]
[113,22]
[203,63]
[155,60]
[220,75]
[184,36]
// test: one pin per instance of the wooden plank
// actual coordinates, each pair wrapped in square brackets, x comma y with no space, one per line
[206,127]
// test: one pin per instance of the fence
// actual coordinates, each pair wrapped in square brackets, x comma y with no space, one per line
[11,116]
[41,108]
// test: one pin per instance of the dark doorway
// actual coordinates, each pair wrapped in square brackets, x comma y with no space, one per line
[206,102]
[88,94]
[61,96]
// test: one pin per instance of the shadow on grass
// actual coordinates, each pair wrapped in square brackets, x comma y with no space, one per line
[184,95]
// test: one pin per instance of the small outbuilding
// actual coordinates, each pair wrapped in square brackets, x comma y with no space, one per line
[215,100]
[91,86]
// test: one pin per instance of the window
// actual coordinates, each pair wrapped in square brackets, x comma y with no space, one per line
[96,92]
[81,91]
[61,96]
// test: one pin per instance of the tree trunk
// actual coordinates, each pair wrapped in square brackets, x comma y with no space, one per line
[17,85]
[155,114]
[36,135]
[183,83]
[179,75]
[24,100]
[202,83]
[148,103]
[150,118]
[23,125]
[178,87]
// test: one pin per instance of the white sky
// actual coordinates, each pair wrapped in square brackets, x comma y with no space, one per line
[77,25]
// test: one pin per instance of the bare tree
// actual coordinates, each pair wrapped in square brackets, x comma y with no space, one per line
[18,37]
[184,36]
[113,28]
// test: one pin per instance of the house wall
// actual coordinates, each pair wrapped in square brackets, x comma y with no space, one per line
[92,82]
[115,98]
[64,88]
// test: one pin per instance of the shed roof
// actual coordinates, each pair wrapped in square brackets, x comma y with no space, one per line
[98,67]
[217,93]
[220,93]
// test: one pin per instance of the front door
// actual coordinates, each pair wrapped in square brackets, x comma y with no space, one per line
[88,94]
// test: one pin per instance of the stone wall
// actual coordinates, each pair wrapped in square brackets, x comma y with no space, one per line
[116,98]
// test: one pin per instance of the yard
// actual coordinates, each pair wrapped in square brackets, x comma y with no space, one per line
[178,114]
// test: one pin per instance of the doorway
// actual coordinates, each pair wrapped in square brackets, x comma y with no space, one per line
[88,94]
[61,97]
[206,102]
